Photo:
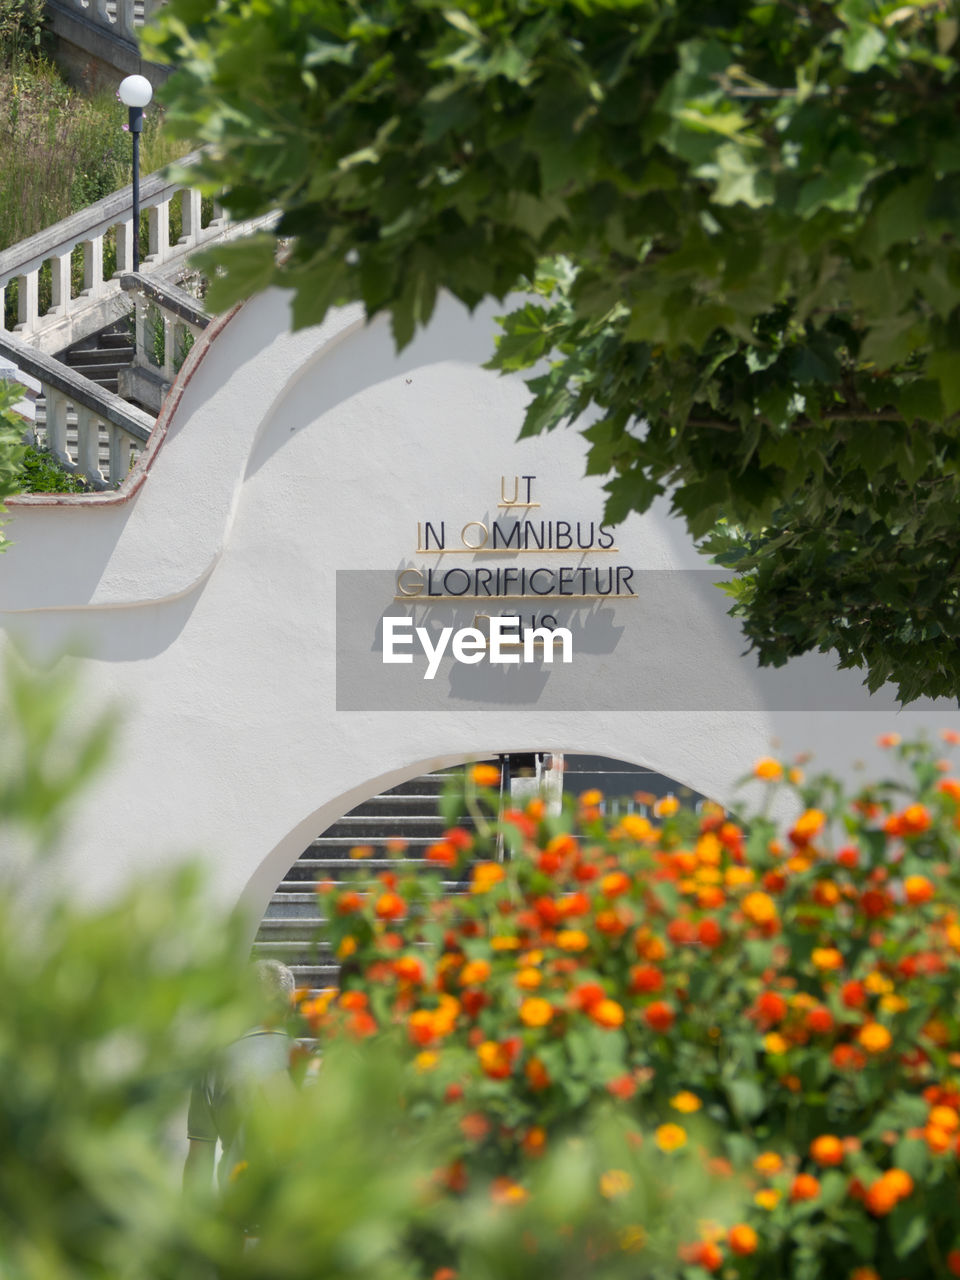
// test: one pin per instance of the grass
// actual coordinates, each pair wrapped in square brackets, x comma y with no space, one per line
[60,151]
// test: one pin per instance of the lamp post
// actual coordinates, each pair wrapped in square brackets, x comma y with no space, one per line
[135,92]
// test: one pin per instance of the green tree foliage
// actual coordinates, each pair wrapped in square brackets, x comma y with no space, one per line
[741,222]
[12,448]
[114,1004]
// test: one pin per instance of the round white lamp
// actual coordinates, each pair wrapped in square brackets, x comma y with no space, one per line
[135,92]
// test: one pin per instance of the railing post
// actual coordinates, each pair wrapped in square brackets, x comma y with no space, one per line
[93,266]
[218,216]
[140,310]
[60,284]
[125,24]
[27,300]
[160,231]
[56,425]
[190,206]
[3,307]
[170,327]
[150,7]
[124,231]
[88,445]
[103,14]
[120,453]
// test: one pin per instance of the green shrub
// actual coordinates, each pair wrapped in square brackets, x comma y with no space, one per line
[43,474]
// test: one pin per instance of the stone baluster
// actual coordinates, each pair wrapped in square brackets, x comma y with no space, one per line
[93,266]
[160,231]
[101,12]
[125,26]
[3,307]
[56,428]
[88,445]
[171,331]
[140,313]
[60,278]
[218,218]
[191,207]
[124,232]
[27,301]
[121,452]
[150,7]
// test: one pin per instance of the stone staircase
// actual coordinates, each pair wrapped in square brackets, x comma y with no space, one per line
[101,356]
[291,930]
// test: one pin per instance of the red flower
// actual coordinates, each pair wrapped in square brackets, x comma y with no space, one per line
[645,978]
[770,1008]
[854,995]
[820,1021]
[659,1016]
[586,995]
[623,1087]
[390,906]
[709,933]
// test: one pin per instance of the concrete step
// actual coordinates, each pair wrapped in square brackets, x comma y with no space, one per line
[95,357]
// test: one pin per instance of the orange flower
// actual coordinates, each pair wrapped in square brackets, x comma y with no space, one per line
[390,906]
[804,1187]
[889,740]
[768,1162]
[819,1021]
[809,824]
[645,978]
[759,908]
[685,1102]
[474,971]
[742,1239]
[874,1037]
[572,940]
[485,775]
[828,958]
[348,902]
[538,1077]
[409,968]
[495,1060]
[771,1008]
[666,807]
[670,1137]
[506,1191]
[607,1013]
[889,1189]
[917,889]
[706,1254]
[614,884]
[485,876]
[659,1016]
[528,979]
[536,1012]
[534,1141]
[768,769]
[827,1149]
[709,933]
[442,854]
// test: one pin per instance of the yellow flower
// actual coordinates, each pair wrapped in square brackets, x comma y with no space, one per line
[427,1060]
[238,1170]
[735,878]
[686,1102]
[768,1198]
[504,942]
[528,979]
[637,827]
[827,958]
[632,1238]
[346,948]
[485,876]
[877,984]
[670,1137]
[709,850]
[590,799]
[775,1043]
[615,1182]
[361,851]
[666,807]
[894,1004]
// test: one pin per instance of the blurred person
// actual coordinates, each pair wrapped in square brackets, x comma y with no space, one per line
[258,1062]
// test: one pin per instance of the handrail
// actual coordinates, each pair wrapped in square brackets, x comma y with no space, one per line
[79,390]
[75,227]
[168,296]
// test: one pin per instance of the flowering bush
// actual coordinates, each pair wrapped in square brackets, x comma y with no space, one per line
[793,993]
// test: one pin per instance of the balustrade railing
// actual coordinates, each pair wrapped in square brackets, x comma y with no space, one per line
[76,309]
[121,17]
[167,322]
[90,431]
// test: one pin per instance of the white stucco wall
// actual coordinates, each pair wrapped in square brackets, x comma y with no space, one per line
[205,601]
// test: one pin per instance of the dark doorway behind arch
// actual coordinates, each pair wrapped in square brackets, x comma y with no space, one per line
[368,839]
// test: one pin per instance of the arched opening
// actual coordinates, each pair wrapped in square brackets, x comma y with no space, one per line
[392,830]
